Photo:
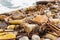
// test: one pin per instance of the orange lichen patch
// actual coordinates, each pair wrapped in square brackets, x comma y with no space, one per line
[2,17]
[40,18]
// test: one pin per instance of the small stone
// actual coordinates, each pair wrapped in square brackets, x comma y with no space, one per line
[35,37]
[29,27]
[3,24]
[24,38]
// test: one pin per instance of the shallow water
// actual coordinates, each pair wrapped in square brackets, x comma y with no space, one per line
[10,5]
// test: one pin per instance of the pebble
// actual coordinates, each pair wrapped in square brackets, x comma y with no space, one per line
[35,37]
[24,38]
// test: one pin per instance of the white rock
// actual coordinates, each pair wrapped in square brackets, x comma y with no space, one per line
[29,27]
[24,38]
[35,37]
